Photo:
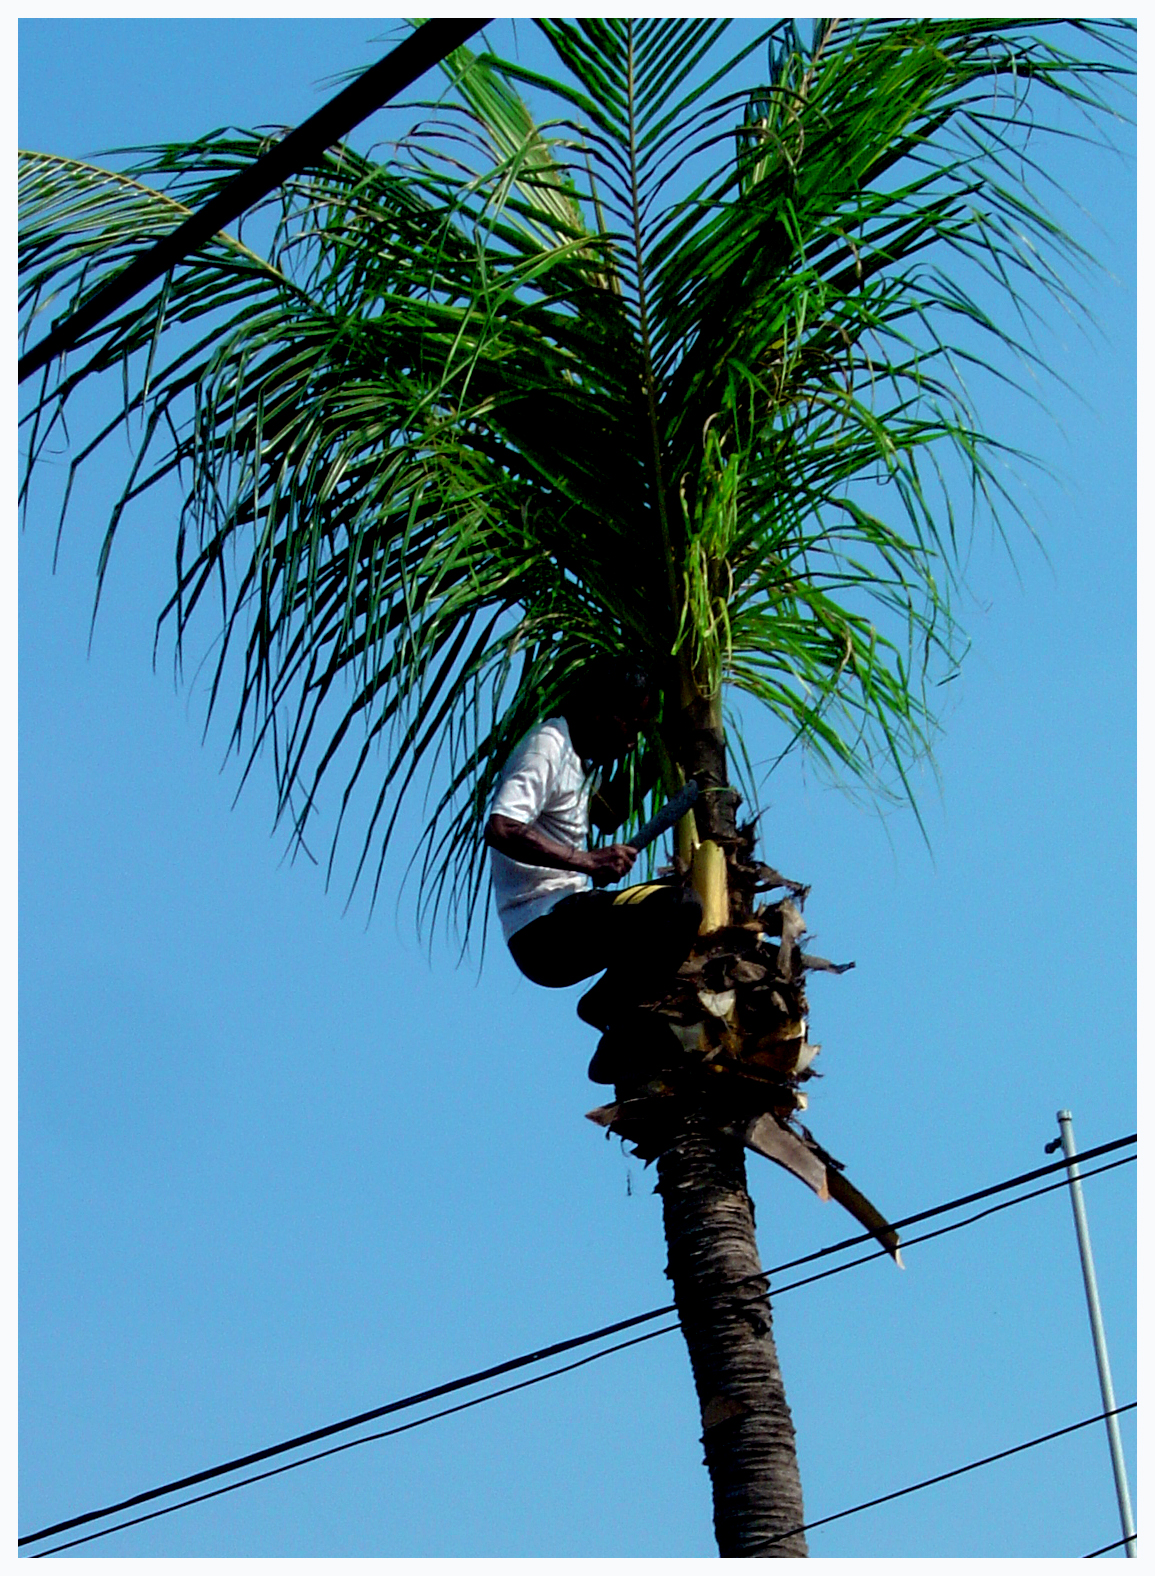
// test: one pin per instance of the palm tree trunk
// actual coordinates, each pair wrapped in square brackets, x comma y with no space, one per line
[722,1301]
[747,1430]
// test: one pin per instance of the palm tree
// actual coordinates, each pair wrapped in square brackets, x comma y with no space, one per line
[669,366]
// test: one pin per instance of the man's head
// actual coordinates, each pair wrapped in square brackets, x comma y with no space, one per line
[607,706]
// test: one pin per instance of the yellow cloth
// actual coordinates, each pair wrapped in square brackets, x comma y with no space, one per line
[637,894]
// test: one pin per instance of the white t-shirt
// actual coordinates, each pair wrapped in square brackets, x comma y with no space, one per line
[543,785]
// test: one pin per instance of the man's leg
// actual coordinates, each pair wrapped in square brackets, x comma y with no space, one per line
[651,930]
[639,936]
[569,943]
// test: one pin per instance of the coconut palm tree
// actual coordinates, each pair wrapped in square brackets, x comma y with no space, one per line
[668,365]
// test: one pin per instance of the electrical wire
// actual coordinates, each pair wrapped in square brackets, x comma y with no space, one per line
[561,1346]
[426,46]
[346,1423]
[957,1203]
[351,1444]
[524,1384]
[554,1350]
[944,1231]
[941,1477]
[552,1373]
[1107,1547]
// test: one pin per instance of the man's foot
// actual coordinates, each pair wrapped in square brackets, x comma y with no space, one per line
[603,1063]
[633,1050]
[599,1004]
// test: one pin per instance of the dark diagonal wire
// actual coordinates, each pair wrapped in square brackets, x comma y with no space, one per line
[941,1477]
[351,1444]
[943,1231]
[1107,1547]
[423,48]
[553,1373]
[346,1423]
[562,1346]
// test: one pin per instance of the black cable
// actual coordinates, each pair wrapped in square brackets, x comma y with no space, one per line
[551,1351]
[957,1203]
[351,1444]
[346,1423]
[525,1384]
[957,1225]
[1107,1547]
[941,1477]
[423,48]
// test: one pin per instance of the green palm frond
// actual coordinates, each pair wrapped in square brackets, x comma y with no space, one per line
[671,363]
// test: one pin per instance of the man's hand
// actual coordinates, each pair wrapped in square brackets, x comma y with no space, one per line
[607,865]
[531,847]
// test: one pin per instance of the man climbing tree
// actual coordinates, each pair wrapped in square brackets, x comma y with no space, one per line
[559,922]
[667,367]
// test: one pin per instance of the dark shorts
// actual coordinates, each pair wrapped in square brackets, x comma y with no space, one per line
[643,931]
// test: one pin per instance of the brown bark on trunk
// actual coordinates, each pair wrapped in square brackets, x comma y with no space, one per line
[723,1305]
[747,1431]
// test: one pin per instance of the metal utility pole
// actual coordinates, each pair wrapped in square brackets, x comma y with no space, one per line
[1066,1141]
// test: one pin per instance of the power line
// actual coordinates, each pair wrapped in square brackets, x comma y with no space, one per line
[552,1373]
[1107,1547]
[351,1444]
[346,1423]
[423,48]
[943,1231]
[557,1348]
[525,1384]
[539,1356]
[957,1203]
[942,1477]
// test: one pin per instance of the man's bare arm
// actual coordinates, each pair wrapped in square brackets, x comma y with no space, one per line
[530,847]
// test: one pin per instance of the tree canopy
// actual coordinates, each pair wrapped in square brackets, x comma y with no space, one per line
[665,353]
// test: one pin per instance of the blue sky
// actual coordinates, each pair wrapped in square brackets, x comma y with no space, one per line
[277,1166]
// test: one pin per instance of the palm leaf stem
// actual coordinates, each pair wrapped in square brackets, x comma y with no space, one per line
[644,335]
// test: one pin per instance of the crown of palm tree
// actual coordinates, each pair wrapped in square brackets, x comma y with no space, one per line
[671,370]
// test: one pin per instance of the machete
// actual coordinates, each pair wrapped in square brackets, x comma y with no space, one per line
[673,810]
